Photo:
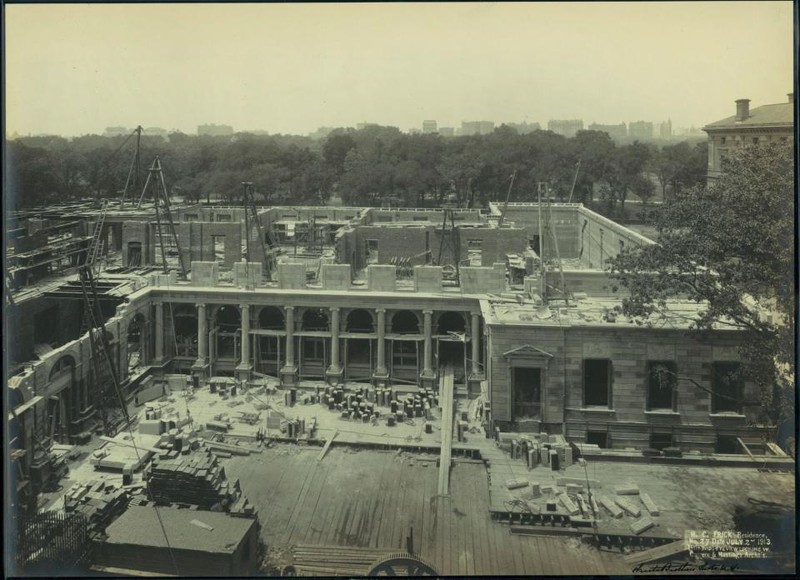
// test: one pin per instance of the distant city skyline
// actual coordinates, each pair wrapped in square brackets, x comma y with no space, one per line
[75,69]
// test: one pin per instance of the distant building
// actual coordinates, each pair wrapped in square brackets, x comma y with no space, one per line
[215,130]
[447,131]
[414,131]
[763,124]
[429,127]
[477,127]
[156,132]
[665,129]
[568,127]
[614,131]
[525,127]
[116,131]
[640,130]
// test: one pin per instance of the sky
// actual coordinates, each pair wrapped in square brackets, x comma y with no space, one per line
[76,69]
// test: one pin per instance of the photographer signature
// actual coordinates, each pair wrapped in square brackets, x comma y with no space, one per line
[684,567]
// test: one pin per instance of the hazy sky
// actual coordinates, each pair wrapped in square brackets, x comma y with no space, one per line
[75,69]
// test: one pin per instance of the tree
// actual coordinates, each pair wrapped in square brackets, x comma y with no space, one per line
[728,247]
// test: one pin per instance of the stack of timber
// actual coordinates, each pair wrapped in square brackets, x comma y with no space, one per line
[310,560]
[197,480]
[98,501]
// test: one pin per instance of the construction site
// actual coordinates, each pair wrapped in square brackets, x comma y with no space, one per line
[206,390]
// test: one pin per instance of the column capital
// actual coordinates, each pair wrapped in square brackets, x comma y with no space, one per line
[289,308]
[380,310]
[427,312]
[335,309]
[244,306]
[200,305]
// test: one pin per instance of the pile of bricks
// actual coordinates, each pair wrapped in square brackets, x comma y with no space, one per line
[197,480]
[98,501]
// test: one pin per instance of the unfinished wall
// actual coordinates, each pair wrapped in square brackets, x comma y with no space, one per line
[564,222]
[601,239]
[480,280]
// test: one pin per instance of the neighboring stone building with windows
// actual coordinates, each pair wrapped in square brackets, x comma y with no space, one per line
[763,124]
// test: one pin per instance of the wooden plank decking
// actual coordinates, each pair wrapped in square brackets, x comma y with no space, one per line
[372,499]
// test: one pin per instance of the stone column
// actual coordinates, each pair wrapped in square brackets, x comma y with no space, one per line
[335,372]
[475,338]
[428,377]
[476,376]
[244,367]
[381,375]
[200,366]
[289,370]
[159,332]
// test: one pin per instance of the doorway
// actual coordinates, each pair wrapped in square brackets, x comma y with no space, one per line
[526,385]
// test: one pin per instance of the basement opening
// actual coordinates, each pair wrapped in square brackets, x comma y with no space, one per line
[599,438]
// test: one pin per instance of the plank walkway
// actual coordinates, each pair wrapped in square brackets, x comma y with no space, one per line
[373,499]
[447,411]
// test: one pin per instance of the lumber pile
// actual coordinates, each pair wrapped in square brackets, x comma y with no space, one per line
[98,501]
[310,560]
[672,550]
[197,480]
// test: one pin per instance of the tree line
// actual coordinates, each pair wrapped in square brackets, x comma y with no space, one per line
[363,167]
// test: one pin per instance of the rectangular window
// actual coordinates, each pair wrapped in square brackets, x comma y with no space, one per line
[661,384]
[599,438]
[527,388]
[219,248]
[660,440]
[597,380]
[371,251]
[223,217]
[727,386]
[313,349]
[475,252]
[404,353]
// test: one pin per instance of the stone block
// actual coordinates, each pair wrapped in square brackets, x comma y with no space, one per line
[205,274]
[381,278]
[649,504]
[568,504]
[628,506]
[247,274]
[612,508]
[428,278]
[291,276]
[335,276]
[627,489]
[482,280]
[642,525]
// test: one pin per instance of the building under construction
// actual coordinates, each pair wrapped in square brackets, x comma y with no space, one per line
[149,331]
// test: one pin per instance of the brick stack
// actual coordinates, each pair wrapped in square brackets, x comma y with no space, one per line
[98,501]
[196,480]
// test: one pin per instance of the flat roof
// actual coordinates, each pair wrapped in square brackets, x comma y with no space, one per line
[140,526]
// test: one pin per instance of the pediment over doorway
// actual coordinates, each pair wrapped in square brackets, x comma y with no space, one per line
[527,351]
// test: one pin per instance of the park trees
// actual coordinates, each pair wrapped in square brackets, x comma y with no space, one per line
[728,247]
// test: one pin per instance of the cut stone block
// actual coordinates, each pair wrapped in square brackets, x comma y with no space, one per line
[536,490]
[573,488]
[642,525]
[568,504]
[516,483]
[628,489]
[650,504]
[548,489]
[612,508]
[628,506]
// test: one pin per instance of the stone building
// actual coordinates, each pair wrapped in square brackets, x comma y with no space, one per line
[748,126]
[361,296]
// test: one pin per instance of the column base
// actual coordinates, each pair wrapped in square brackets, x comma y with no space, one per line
[334,376]
[427,379]
[200,369]
[289,376]
[380,379]
[474,385]
[243,372]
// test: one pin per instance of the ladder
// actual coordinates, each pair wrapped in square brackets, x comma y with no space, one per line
[96,244]
[103,368]
[450,241]
[264,239]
